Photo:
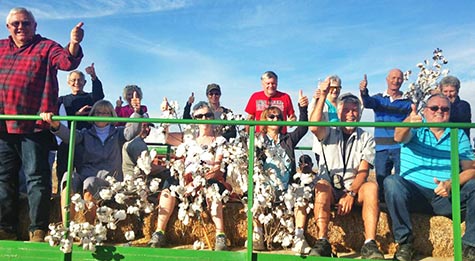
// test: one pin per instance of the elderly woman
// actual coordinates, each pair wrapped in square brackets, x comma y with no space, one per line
[125,111]
[284,165]
[98,152]
[202,159]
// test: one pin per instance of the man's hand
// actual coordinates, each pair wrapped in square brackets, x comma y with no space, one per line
[91,71]
[413,116]
[77,34]
[84,110]
[345,204]
[443,188]
[303,100]
[48,117]
[364,84]
[191,99]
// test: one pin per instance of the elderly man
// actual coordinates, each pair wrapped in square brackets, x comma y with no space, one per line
[389,106]
[270,96]
[424,184]
[28,73]
[460,109]
[347,156]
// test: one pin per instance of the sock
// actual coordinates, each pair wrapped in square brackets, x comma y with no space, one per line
[368,240]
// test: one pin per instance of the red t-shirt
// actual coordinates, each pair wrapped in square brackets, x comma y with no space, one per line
[259,102]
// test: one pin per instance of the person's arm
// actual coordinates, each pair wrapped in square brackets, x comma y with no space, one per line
[97,91]
[187,109]
[77,35]
[300,131]
[317,114]
[132,129]
[444,188]
[403,134]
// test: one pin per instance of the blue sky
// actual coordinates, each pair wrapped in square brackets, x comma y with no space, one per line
[173,48]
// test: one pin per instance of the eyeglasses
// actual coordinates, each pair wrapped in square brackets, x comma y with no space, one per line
[335,87]
[272,116]
[207,115]
[16,24]
[214,93]
[436,108]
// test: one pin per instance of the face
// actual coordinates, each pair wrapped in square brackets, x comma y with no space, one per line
[203,114]
[394,80]
[273,116]
[22,28]
[102,112]
[349,112]
[76,82]
[213,96]
[145,130]
[334,90]
[437,110]
[450,92]
[269,85]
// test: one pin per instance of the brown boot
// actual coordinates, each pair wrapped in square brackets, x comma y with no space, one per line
[37,236]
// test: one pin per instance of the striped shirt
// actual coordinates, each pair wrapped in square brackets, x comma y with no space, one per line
[424,158]
[28,81]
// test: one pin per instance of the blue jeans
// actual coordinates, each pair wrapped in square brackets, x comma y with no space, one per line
[404,196]
[384,162]
[31,151]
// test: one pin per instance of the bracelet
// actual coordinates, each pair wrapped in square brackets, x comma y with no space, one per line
[349,192]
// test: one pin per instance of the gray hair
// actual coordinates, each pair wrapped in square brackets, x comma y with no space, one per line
[450,81]
[439,95]
[132,88]
[269,75]
[201,105]
[81,74]
[20,10]
[349,98]
[335,78]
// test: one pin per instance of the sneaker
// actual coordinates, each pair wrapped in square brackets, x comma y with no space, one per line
[258,242]
[468,253]
[404,252]
[37,236]
[6,235]
[157,240]
[301,246]
[321,248]
[220,244]
[370,250]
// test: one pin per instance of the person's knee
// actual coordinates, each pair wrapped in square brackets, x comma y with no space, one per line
[392,184]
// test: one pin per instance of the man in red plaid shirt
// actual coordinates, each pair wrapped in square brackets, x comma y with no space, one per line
[28,85]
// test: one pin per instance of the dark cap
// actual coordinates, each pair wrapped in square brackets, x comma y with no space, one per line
[212,87]
[305,159]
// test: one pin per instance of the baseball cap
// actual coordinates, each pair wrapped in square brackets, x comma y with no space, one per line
[212,87]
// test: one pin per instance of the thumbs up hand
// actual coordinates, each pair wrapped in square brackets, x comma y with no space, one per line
[364,83]
[135,102]
[119,102]
[191,99]
[303,100]
[414,117]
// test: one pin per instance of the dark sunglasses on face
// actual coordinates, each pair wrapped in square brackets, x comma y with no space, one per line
[207,115]
[272,116]
[436,108]
[214,93]
[16,24]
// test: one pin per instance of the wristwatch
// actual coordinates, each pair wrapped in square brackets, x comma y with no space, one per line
[349,192]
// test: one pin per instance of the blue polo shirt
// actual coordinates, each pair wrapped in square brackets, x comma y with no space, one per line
[424,157]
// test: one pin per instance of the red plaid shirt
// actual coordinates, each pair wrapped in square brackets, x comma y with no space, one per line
[28,80]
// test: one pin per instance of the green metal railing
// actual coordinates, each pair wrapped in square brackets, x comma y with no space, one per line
[15,250]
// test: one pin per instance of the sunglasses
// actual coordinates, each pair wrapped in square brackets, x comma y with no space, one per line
[214,93]
[16,24]
[436,108]
[273,116]
[206,115]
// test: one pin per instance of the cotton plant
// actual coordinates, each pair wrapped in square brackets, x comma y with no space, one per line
[427,78]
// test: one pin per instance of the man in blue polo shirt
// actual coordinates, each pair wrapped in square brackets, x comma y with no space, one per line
[389,106]
[424,183]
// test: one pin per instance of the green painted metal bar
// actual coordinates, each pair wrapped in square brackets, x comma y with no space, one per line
[16,250]
[456,219]
[67,205]
[250,192]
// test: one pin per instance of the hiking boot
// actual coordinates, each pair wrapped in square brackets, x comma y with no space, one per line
[6,235]
[258,242]
[404,252]
[37,236]
[468,253]
[220,244]
[157,240]
[321,248]
[370,250]
[300,245]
